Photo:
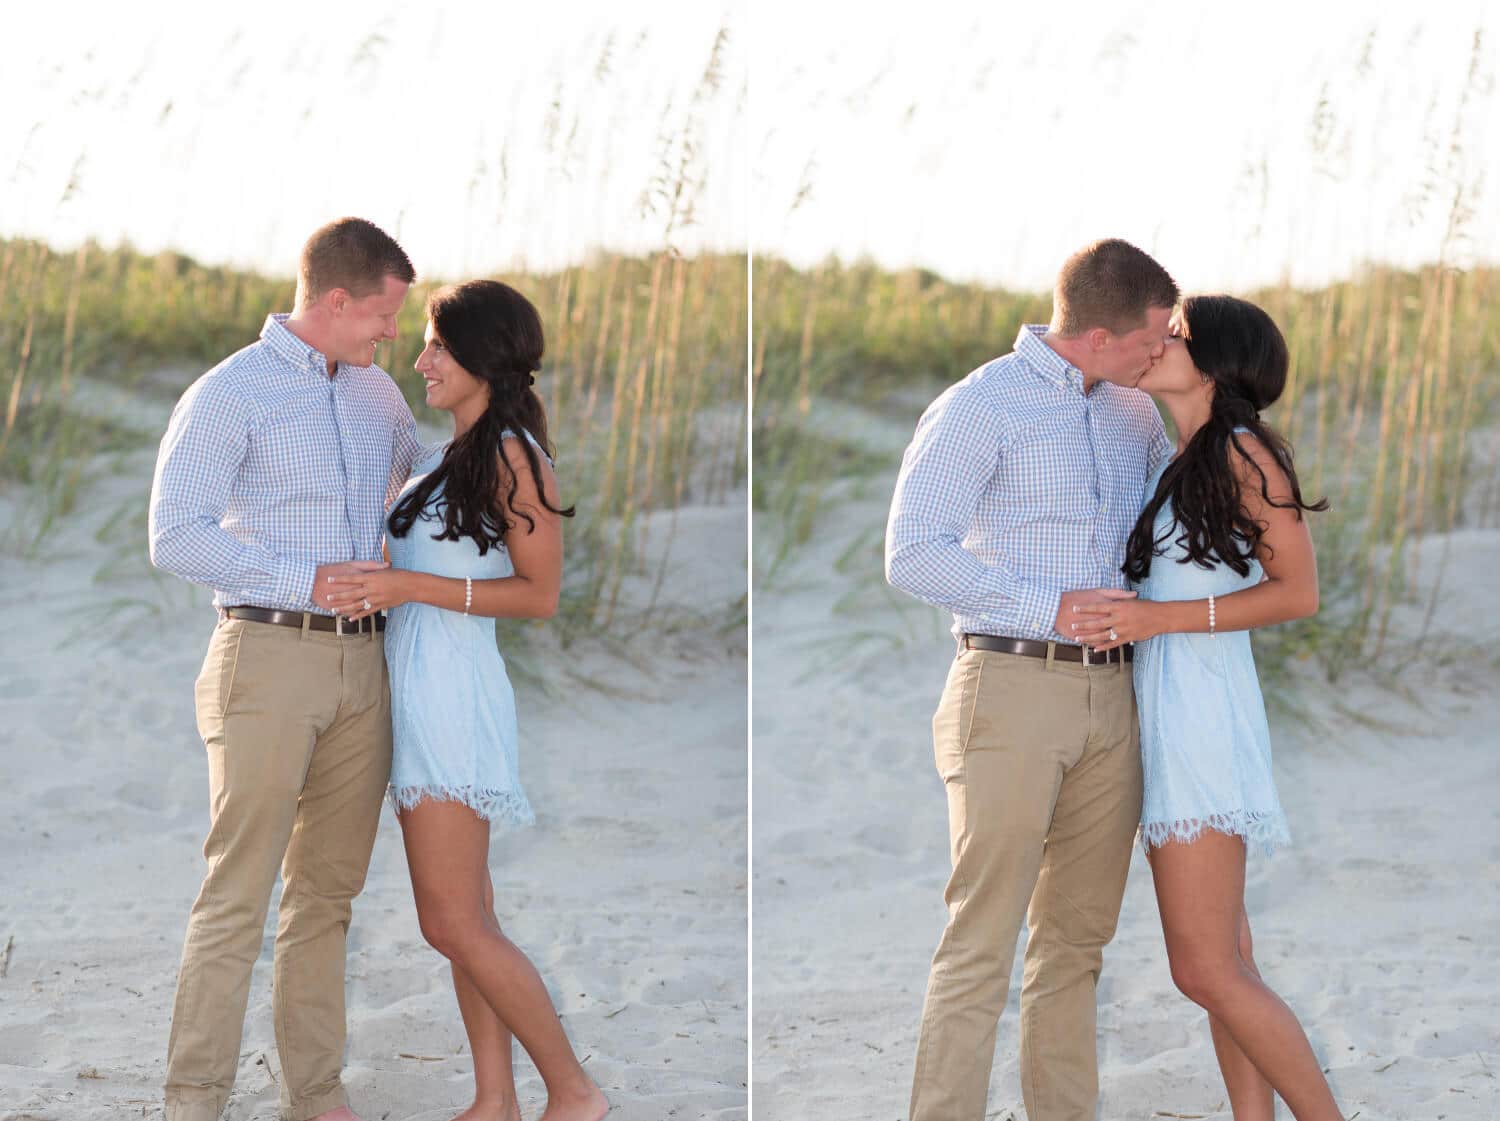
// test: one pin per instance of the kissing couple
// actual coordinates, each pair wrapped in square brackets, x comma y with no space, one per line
[1103,582]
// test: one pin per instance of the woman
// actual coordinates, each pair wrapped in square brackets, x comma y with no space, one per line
[475,535]
[1221,547]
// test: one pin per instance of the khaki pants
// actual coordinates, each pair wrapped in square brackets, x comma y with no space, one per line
[298,730]
[1042,766]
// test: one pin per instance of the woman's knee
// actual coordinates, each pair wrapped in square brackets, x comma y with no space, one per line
[453,931]
[1208,981]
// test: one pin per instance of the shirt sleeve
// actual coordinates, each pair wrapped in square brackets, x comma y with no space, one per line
[404,450]
[200,456]
[949,463]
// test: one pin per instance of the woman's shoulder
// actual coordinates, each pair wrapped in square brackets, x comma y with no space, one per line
[514,434]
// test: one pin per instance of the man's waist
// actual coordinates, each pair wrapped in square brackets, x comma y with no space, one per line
[1051,651]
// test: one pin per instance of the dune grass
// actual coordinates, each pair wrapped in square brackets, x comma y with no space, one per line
[1392,372]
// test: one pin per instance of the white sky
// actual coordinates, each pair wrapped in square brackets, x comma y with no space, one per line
[983,140]
[988,141]
[484,135]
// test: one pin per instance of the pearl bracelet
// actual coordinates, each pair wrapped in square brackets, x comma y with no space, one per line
[1211,633]
[469,593]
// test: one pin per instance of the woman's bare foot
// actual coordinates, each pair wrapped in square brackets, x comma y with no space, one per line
[588,1105]
[491,1111]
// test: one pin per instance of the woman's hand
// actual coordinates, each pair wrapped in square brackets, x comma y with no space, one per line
[1104,626]
[354,597]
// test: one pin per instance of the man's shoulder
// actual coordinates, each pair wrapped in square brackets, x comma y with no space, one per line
[255,377]
[1006,385]
[230,382]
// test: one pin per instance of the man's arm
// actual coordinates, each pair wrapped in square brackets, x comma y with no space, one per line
[950,461]
[404,449]
[200,456]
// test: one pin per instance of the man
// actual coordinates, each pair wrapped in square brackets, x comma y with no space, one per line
[274,476]
[1021,483]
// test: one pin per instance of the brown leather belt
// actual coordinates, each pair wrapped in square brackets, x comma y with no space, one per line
[1062,651]
[335,623]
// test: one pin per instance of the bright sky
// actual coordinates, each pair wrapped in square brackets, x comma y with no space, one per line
[484,135]
[1236,142]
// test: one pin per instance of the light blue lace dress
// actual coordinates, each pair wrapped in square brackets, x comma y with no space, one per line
[1205,747]
[453,713]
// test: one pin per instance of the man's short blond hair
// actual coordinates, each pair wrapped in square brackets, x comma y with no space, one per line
[1109,284]
[351,254]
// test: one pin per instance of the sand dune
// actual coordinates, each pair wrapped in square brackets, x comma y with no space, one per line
[629,894]
[1377,926]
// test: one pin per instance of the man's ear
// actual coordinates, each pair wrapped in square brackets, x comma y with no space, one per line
[336,300]
[1098,337]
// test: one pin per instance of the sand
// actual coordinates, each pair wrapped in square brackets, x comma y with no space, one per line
[629,894]
[1378,926]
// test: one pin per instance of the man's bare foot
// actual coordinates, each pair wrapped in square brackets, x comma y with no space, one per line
[491,1111]
[343,1113]
[588,1105]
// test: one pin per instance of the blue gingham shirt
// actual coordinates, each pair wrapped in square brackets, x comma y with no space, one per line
[270,468]
[1018,487]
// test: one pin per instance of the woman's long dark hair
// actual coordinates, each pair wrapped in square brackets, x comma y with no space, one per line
[1240,348]
[494,333]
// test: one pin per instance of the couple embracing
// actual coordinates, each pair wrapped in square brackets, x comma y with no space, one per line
[356,576]
[1103,584]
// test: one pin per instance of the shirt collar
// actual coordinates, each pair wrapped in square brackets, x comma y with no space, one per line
[290,348]
[1045,362]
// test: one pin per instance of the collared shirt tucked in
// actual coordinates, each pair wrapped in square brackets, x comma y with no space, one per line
[270,468]
[1017,487]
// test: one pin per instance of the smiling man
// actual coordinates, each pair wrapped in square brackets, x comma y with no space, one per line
[1014,503]
[274,476]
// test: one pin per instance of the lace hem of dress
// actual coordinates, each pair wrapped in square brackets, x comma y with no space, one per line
[1264,831]
[503,807]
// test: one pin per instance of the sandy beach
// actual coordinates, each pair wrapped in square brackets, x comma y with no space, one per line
[629,894]
[1377,925]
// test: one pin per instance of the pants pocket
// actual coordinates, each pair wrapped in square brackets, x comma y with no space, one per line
[953,723]
[216,679]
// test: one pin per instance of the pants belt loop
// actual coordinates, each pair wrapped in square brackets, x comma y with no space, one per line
[306,625]
[1051,654]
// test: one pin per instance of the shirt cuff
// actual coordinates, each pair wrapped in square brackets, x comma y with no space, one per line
[294,582]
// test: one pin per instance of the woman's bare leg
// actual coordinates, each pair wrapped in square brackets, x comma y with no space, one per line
[447,850]
[489,1044]
[1250,1096]
[1200,892]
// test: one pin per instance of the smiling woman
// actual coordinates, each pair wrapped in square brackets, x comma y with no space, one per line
[475,535]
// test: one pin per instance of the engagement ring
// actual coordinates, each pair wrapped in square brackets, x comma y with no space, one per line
[369,608]
[1112,636]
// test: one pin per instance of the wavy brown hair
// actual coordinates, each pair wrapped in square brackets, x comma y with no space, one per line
[1241,350]
[495,334]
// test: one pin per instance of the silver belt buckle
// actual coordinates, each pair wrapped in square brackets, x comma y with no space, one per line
[338,625]
[1084,648]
